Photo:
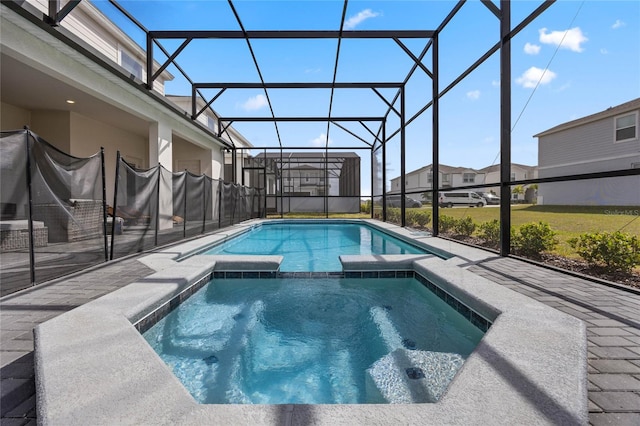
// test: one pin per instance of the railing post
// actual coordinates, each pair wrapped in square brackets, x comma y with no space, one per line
[32,257]
[115,202]
[505,128]
[104,207]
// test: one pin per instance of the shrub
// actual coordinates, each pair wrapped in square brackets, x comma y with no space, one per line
[365,207]
[490,232]
[464,226]
[446,223]
[533,238]
[393,214]
[418,217]
[614,251]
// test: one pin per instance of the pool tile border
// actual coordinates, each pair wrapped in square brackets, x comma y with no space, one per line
[166,308]
[152,318]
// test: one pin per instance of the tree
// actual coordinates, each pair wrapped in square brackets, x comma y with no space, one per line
[518,190]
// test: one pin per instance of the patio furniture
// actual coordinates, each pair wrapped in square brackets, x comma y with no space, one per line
[14,234]
[77,220]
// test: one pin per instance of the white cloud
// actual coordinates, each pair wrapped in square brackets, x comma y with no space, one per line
[355,20]
[618,24]
[569,39]
[531,49]
[312,70]
[473,95]
[321,140]
[604,51]
[488,139]
[255,103]
[534,76]
[495,83]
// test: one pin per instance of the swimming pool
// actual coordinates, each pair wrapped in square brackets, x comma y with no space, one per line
[314,341]
[530,367]
[313,247]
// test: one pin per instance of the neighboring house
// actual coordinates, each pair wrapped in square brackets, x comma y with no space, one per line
[421,180]
[308,176]
[518,172]
[80,86]
[605,141]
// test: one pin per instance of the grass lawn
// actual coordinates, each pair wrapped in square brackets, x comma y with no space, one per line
[567,221]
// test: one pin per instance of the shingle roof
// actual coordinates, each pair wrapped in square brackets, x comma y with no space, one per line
[609,112]
[496,167]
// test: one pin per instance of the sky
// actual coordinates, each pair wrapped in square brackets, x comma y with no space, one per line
[576,59]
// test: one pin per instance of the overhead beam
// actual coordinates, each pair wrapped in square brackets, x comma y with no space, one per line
[292,34]
[267,85]
[56,15]
[309,119]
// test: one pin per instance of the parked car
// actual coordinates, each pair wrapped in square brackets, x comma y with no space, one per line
[394,201]
[461,198]
[489,197]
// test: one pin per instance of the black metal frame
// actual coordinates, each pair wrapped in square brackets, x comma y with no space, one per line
[382,136]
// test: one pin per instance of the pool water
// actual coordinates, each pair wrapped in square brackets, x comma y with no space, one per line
[314,341]
[314,247]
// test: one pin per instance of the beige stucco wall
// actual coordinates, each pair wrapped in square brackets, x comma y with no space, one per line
[184,151]
[13,117]
[54,127]
[88,135]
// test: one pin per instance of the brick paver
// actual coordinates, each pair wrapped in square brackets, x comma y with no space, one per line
[613,330]
[21,312]
[612,317]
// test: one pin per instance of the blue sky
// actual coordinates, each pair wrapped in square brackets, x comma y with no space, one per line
[577,58]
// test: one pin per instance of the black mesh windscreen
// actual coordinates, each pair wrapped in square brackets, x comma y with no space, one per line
[67,211]
[14,227]
[69,228]
[136,208]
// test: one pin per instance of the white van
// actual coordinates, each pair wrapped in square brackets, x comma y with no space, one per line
[461,198]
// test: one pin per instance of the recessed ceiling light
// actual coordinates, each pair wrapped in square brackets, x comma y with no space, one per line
[70,101]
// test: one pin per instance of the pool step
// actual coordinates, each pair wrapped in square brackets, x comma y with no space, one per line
[408,376]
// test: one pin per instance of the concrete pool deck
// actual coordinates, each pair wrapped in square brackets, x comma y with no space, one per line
[478,260]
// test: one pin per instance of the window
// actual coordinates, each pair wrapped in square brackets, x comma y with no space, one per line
[430,177]
[625,127]
[513,176]
[445,178]
[130,64]
[468,177]
[211,123]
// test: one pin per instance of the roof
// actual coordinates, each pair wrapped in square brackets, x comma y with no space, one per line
[609,112]
[496,167]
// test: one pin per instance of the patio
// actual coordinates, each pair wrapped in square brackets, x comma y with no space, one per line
[612,317]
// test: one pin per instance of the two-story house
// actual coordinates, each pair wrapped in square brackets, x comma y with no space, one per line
[518,172]
[421,180]
[606,141]
[80,85]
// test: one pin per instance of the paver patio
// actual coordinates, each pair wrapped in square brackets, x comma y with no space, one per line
[612,316]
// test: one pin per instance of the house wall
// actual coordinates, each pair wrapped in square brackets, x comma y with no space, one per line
[54,127]
[92,27]
[617,191]
[88,135]
[184,151]
[585,149]
[13,117]
[588,148]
